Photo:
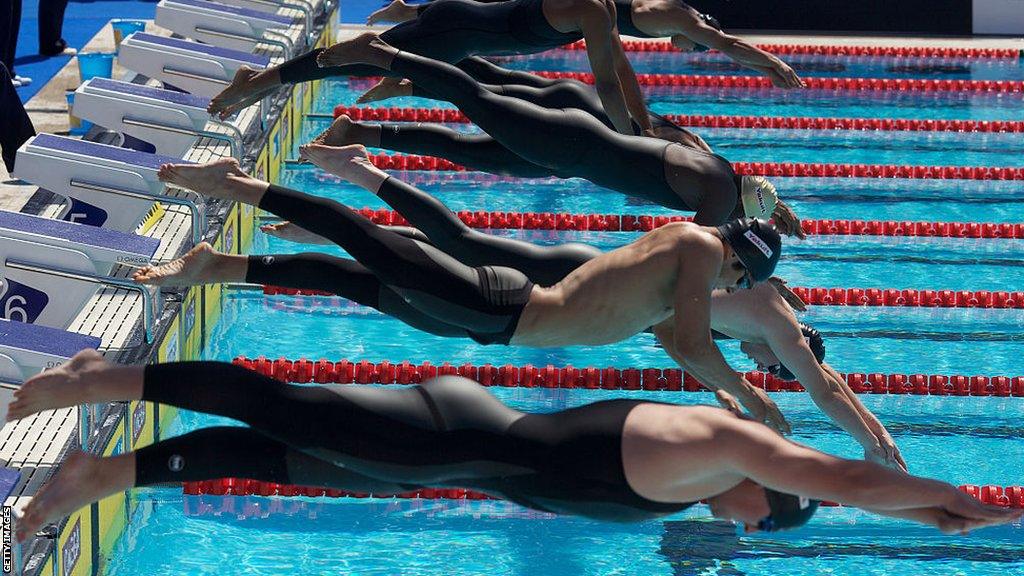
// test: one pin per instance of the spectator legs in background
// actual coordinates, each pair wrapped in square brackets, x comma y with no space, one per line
[15,126]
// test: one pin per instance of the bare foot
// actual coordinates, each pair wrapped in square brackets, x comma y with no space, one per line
[201,265]
[348,162]
[397,11]
[211,179]
[239,94]
[293,233]
[365,48]
[59,387]
[386,88]
[80,480]
[338,134]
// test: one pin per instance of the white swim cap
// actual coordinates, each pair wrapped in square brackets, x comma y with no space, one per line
[758,196]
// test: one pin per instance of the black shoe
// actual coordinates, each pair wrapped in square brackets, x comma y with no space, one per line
[58,49]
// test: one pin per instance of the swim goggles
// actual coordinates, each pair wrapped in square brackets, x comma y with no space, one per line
[747,281]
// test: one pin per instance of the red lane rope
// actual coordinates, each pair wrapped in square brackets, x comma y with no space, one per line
[888,297]
[833,50]
[591,378]
[646,223]
[779,169]
[708,121]
[1009,496]
[812,83]
[910,298]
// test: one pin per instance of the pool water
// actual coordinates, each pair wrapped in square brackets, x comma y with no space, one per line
[960,440]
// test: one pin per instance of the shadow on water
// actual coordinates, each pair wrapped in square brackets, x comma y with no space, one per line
[695,547]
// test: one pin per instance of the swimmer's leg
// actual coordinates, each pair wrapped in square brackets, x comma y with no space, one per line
[476,151]
[204,265]
[238,452]
[201,455]
[249,85]
[429,279]
[481,301]
[348,279]
[562,93]
[309,271]
[397,434]
[201,265]
[544,265]
[487,72]
[545,92]
[568,141]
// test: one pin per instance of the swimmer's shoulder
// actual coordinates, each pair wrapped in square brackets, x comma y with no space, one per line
[686,235]
[681,423]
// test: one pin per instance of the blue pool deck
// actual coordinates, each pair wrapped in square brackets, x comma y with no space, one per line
[38,444]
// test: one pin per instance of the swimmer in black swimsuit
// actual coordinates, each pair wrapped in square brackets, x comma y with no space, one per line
[570,142]
[762,317]
[450,30]
[597,302]
[613,460]
[546,92]
[688,29]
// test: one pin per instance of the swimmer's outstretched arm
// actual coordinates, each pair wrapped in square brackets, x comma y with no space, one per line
[744,53]
[888,453]
[751,449]
[761,407]
[690,344]
[619,91]
[631,90]
[782,334]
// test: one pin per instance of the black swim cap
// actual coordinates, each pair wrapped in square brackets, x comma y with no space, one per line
[814,341]
[787,511]
[756,243]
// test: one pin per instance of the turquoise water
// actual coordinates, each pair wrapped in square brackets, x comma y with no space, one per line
[960,440]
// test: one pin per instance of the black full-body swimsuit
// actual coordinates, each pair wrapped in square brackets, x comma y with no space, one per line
[450,30]
[439,231]
[446,433]
[482,302]
[480,151]
[565,142]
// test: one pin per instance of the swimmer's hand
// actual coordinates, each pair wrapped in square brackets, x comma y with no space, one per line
[791,298]
[786,221]
[770,415]
[783,76]
[763,409]
[951,523]
[964,513]
[887,455]
[728,401]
